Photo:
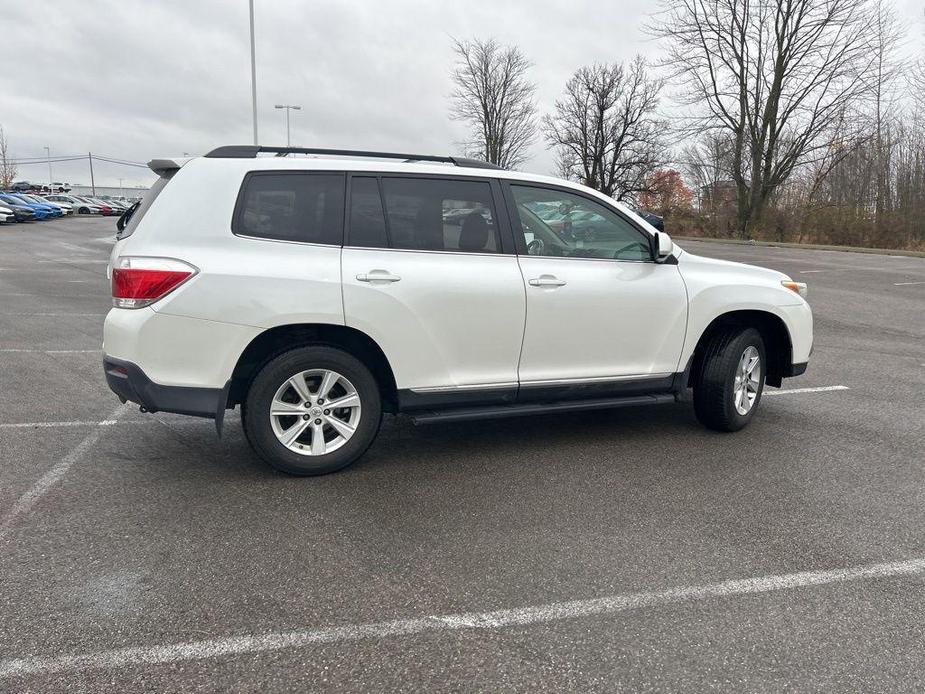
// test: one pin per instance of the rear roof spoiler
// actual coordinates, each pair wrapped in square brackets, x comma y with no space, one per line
[164,167]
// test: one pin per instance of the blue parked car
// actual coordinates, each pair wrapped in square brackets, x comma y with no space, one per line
[41,211]
[35,200]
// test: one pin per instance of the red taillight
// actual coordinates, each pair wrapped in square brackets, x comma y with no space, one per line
[138,282]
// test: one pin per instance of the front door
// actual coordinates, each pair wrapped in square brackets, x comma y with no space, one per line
[599,309]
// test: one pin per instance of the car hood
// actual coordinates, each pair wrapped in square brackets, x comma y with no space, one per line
[726,266]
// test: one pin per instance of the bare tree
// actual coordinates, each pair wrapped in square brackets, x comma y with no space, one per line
[495,98]
[605,128]
[886,37]
[706,163]
[8,169]
[773,75]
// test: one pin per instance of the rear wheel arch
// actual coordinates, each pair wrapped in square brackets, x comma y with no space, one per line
[274,341]
[774,332]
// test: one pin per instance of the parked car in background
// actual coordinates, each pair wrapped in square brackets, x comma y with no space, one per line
[39,211]
[21,186]
[65,207]
[58,187]
[20,212]
[56,209]
[653,219]
[80,206]
[105,209]
[117,205]
[48,207]
[6,215]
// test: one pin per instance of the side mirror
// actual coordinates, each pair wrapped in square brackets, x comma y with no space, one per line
[664,245]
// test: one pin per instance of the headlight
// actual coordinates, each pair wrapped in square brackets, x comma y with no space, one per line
[798,287]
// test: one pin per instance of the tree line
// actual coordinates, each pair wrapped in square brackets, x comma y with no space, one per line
[792,120]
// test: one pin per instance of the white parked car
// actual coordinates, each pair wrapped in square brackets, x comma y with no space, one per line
[65,207]
[318,293]
[6,215]
[77,205]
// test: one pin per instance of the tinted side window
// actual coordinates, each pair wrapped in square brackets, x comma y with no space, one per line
[559,224]
[304,207]
[441,215]
[367,220]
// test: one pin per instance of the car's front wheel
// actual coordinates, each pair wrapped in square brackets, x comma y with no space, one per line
[312,410]
[728,387]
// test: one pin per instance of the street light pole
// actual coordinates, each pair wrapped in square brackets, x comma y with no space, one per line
[50,184]
[120,188]
[253,70]
[288,108]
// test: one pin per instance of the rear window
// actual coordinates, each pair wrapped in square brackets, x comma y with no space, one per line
[291,206]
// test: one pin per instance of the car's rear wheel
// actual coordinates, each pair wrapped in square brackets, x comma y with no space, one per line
[83,210]
[728,387]
[312,410]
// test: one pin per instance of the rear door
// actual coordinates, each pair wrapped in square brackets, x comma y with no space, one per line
[429,273]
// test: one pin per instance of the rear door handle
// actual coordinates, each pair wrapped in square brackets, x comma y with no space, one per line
[546,281]
[378,276]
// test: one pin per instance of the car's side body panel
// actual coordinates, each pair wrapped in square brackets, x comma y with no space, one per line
[453,320]
[716,287]
[610,318]
[177,350]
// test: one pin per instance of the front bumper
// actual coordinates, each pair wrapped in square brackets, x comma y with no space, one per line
[130,383]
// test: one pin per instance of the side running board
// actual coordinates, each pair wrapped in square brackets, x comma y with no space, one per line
[494,411]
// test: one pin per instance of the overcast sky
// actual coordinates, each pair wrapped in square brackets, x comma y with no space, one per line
[136,79]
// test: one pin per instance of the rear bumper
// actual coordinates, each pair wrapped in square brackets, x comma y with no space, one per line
[130,383]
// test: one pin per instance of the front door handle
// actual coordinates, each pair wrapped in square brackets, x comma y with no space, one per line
[378,276]
[546,281]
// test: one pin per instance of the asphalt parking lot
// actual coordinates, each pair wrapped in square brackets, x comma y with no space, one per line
[624,550]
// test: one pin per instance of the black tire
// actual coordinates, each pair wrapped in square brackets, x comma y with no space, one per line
[714,395]
[83,210]
[256,408]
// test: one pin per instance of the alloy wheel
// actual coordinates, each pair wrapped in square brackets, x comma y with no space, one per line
[315,412]
[747,380]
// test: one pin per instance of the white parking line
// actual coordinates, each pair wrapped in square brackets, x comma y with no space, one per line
[905,284]
[53,425]
[74,261]
[15,350]
[59,315]
[52,477]
[519,617]
[794,391]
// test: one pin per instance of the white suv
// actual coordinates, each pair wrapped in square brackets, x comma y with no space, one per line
[320,291]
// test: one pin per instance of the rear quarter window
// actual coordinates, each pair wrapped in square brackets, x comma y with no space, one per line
[133,215]
[291,206]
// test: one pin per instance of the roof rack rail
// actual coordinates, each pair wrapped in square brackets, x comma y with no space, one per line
[251,151]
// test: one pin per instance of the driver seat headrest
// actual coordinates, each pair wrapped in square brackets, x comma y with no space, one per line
[474,233]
